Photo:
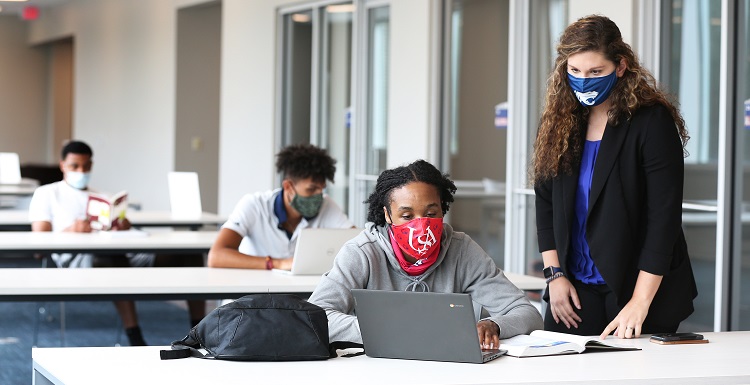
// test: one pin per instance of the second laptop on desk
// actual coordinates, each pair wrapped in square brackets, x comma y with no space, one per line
[316,249]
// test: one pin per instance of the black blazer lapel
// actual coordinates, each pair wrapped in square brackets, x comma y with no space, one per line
[609,149]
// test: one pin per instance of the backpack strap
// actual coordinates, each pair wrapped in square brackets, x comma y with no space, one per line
[186,347]
[338,345]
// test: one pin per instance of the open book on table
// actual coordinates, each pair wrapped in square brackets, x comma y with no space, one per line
[105,212]
[545,343]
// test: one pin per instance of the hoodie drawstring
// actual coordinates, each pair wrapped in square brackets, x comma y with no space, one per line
[425,288]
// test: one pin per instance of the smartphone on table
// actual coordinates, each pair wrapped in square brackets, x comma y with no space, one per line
[677,338]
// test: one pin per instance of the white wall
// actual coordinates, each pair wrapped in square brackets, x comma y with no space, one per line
[124,103]
[622,12]
[23,93]
[124,59]
[409,114]
[248,94]
[125,92]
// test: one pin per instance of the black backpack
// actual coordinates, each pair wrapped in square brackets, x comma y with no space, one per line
[261,327]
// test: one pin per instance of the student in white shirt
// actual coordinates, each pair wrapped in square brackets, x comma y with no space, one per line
[268,223]
[61,206]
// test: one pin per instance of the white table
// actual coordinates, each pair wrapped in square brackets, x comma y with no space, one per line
[33,284]
[17,190]
[155,242]
[145,283]
[526,282]
[722,361]
[19,219]
[167,219]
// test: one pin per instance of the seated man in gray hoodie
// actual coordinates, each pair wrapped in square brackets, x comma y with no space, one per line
[406,246]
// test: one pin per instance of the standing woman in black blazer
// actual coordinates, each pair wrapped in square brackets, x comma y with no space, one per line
[608,174]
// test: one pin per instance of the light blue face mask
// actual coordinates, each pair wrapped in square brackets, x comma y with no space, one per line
[592,91]
[79,180]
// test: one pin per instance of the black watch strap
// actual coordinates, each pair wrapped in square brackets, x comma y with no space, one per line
[551,270]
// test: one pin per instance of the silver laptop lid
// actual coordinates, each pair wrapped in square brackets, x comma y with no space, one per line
[416,325]
[316,249]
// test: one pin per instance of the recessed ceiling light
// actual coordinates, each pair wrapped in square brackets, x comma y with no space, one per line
[340,8]
[301,18]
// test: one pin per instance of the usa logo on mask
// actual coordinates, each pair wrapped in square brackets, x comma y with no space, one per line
[424,241]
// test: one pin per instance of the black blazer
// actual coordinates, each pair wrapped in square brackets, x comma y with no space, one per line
[635,213]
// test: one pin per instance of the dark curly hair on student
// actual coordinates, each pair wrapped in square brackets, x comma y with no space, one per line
[389,180]
[302,161]
[76,147]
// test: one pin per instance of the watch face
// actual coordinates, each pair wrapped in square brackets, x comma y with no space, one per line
[550,271]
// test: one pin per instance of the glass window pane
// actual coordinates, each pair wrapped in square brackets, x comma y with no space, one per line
[548,21]
[477,83]
[372,107]
[297,76]
[743,161]
[692,75]
[377,90]
[335,94]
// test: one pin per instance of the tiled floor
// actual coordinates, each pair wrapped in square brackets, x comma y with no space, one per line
[87,324]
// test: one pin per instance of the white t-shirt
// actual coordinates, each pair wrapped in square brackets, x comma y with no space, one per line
[61,205]
[254,219]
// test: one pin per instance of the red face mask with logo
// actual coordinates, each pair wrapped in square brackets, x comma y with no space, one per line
[420,239]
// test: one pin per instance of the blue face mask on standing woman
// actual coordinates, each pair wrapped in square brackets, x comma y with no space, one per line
[592,91]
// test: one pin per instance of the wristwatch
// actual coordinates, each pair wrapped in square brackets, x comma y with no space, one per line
[551,270]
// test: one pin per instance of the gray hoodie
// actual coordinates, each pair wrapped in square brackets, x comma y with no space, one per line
[368,262]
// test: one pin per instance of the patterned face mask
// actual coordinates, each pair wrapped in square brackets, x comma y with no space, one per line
[592,91]
[309,207]
[420,239]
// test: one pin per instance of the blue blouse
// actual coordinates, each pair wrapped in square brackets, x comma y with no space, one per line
[580,264]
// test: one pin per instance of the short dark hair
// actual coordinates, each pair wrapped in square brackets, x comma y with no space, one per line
[389,180]
[302,161]
[76,147]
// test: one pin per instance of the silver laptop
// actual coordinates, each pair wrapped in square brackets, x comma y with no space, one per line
[316,248]
[419,326]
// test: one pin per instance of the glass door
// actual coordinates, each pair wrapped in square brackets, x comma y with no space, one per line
[333,109]
[536,26]
[474,137]
[297,62]
[315,83]
[691,30]
[740,266]
[371,112]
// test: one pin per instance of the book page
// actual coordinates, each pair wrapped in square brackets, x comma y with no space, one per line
[582,341]
[530,346]
[572,338]
[119,208]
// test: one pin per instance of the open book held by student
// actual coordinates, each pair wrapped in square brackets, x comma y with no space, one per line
[545,343]
[105,212]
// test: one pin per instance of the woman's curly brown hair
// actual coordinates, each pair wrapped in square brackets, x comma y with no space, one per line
[563,124]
